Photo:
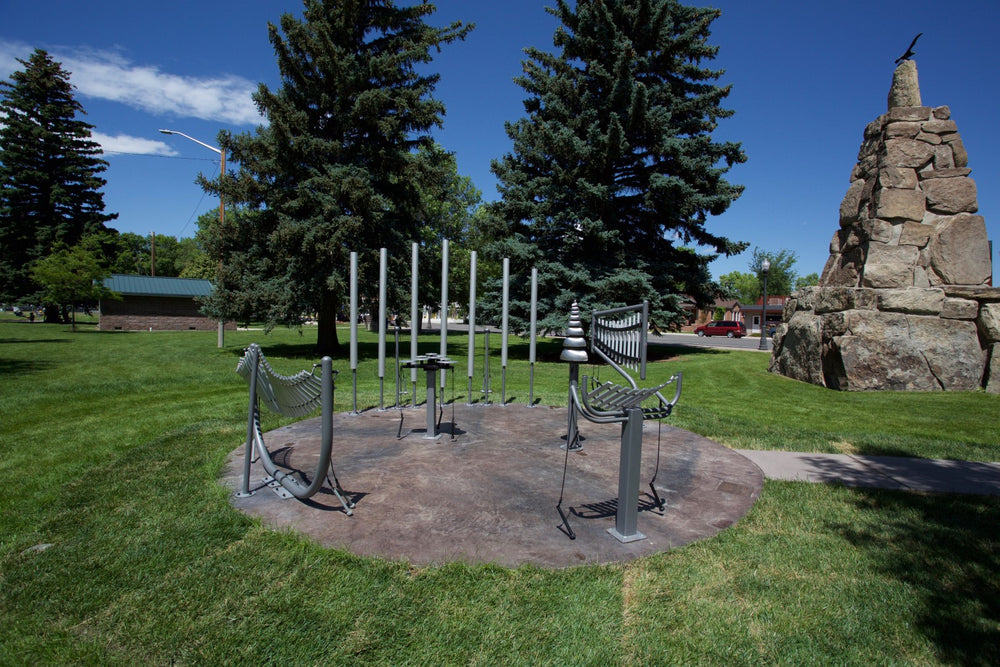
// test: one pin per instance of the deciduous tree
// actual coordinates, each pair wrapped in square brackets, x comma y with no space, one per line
[70,277]
[780,274]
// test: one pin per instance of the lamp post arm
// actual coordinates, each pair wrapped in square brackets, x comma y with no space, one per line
[202,143]
[222,207]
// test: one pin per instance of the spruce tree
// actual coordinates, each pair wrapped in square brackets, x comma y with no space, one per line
[614,171]
[50,188]
[336,168]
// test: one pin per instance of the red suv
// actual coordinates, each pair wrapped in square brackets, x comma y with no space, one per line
[726,328]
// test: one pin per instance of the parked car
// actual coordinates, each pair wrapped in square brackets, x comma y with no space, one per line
[727,328]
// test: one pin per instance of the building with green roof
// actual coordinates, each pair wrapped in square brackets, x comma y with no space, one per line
[156,303]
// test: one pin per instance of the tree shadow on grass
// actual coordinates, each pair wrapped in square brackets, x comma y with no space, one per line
[945,549]
[547,350]
[20,367]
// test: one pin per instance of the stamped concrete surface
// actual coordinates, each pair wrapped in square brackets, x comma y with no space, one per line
[487,490]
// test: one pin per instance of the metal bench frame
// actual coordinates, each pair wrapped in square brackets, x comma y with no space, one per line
[291,396]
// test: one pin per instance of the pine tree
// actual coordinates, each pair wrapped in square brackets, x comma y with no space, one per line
[614,171]
[336,169]
[50,188]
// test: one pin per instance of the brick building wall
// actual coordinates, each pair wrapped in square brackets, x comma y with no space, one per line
[161,313]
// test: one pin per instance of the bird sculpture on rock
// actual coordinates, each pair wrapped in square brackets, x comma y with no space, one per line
[909,50]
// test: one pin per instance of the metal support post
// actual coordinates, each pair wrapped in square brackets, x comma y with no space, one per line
[532,337]
[396,334]
[354,330]
[504,330]
[248,456]
[572,431]
[383,268]
[471,365]
[415,317]
[432,433]
[487,390]
[627,516]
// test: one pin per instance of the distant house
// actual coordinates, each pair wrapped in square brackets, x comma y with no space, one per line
[165,304]
[773,312]
[697,316]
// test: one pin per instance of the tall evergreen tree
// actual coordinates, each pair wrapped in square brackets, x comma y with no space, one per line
[50,188]
[614,171]
[336,169]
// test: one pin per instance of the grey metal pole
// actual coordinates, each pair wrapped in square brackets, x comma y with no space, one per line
[627,515]
[383,260]
[444,307]
[765,267]
[504,322]
[487,390]
[396,331]
[471,366]
[354,329]
[431,401]
[575,352]
[251,427]
[572,431]
[532,331]
[414,316]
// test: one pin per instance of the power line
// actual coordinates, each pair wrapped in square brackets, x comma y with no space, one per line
[193,213]
[168,157]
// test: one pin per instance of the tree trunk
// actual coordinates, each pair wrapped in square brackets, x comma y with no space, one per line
[327,343]
[53,314]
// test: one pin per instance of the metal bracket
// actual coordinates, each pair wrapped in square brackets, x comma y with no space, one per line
[278,489]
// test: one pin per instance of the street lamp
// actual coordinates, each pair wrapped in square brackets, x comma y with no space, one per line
[222,210]
[765,266]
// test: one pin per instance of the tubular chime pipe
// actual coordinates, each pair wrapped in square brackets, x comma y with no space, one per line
[354,330]
[472,321]
[504,326]
[414,316]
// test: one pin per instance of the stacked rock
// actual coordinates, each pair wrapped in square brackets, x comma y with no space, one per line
[908,217]
[904,300]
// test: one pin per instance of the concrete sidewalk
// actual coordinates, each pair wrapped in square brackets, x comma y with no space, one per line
[882,472]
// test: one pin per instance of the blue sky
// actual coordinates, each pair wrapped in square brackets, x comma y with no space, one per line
[807,77]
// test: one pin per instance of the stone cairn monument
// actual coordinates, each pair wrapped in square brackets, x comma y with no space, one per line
[904,301]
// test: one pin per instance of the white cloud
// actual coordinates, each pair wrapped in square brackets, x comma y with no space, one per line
[110,76]
[123,143]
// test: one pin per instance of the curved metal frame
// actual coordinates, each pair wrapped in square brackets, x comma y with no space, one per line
[275,389]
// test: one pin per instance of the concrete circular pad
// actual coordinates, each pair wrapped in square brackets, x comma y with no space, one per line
[489,493]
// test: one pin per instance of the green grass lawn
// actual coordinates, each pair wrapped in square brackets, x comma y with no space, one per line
[117,544]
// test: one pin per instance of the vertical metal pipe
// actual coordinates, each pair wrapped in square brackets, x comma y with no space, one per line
[251,354]
[396,332]
[383,260]
[504,328]
[354,329]
[486,366]
[444,307]
[326,401]
[532,331]
[643,339]
[471,366]
[572,432]
[431,433]
[414,316]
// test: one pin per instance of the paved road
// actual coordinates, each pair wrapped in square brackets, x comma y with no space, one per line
[691,340]
[688,339]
